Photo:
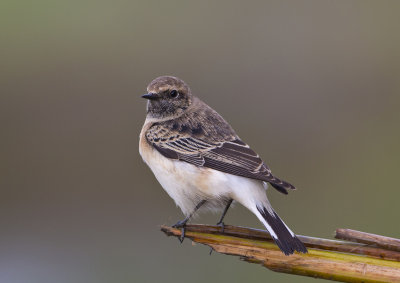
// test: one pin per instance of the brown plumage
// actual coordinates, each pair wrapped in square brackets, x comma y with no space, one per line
[202,137]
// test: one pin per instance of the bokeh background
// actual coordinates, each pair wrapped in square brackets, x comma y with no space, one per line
[312,86]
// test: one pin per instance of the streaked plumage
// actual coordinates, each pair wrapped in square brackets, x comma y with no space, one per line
[196,155]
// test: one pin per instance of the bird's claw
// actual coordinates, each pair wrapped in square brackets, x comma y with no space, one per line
[181,224]
[222,225]
[182,237]
[211,250]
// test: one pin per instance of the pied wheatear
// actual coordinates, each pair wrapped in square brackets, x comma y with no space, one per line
[201,162]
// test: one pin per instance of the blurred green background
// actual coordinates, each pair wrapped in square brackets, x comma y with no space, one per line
[321,79]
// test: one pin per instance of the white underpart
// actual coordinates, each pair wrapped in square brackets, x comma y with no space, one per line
[187,185]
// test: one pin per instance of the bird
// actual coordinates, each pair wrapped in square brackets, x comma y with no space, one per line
[201,162]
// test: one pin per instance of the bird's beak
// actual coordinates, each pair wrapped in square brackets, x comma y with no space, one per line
[150,96]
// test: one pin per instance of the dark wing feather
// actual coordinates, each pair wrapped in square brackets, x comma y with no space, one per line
[239,159]
[233,157]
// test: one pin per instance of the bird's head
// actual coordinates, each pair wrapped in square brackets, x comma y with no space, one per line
[168,97]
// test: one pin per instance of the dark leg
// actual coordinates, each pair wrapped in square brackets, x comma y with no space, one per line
[221,221]
[182,223]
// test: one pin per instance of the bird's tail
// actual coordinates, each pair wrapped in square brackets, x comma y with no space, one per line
[281,234]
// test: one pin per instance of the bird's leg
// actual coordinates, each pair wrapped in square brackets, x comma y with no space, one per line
[221,220]
[182,223]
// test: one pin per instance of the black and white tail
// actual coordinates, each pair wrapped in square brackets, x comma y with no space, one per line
[281,234]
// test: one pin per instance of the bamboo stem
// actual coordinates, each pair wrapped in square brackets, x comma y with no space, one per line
[328,259]
[310,242]
[368,238]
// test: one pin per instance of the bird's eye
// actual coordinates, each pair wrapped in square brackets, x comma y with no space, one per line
[173,93]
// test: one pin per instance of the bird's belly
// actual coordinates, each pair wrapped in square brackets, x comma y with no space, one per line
[188,184]
[185,183]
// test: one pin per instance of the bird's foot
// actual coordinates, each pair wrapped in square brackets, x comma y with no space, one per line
[211,250]
[222,225]
[181,224]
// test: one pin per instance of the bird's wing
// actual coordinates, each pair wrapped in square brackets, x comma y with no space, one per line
[233,157]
